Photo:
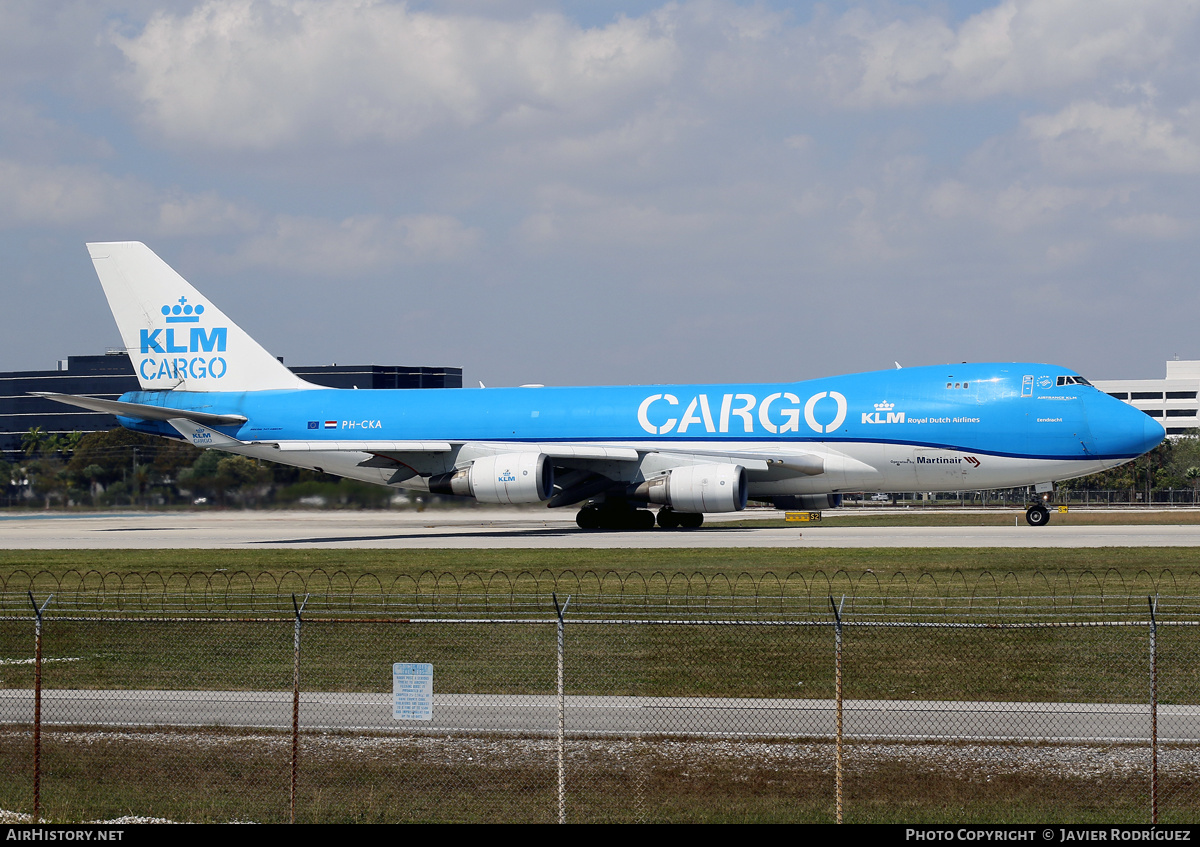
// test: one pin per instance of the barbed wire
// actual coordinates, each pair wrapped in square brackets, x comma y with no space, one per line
[1083,594]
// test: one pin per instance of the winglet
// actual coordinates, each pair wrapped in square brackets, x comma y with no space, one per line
[176,338]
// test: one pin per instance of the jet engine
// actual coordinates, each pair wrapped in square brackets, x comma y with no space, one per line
[507,478]
[697,488]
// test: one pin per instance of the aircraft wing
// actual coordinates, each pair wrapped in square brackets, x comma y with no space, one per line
[806,463]
[809,464]
[564,453]
[385,448]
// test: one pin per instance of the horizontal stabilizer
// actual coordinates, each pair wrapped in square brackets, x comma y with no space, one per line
[140,410]
[202,436]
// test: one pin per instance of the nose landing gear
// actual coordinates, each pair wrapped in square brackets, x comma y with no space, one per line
[1037,515]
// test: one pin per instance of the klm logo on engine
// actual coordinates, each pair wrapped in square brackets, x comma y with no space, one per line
[883,414]
[162,349]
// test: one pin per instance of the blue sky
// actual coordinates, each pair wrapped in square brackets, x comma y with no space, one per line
[572,193]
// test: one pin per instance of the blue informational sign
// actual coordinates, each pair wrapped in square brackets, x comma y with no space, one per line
[412,691]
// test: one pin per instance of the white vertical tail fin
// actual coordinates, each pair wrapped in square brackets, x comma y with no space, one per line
[176,338]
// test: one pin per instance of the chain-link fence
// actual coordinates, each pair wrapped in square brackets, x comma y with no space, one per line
[650,709]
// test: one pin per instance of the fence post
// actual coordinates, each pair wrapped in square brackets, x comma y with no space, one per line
[837,661]
[1153,711]
[37,705]
[562,714]
[296,701]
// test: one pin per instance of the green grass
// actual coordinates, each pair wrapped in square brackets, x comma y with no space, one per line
[987,586]
[1041,664]
[1029,571]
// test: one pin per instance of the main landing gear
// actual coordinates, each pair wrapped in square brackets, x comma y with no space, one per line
[1037,515]
[622,515]
[668,518]
[614,515]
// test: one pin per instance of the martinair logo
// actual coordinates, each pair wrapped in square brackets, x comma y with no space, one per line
[948,460]
[175,340]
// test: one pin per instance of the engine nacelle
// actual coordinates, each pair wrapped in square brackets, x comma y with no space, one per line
[806,502]
[504,479]
[698,488]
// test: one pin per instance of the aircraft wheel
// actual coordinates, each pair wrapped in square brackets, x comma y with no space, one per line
[1037,515]
[643,519]
[668,518]
[690,520]
[589,517]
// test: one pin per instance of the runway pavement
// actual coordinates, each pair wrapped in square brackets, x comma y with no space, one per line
[525,529]
[620,716]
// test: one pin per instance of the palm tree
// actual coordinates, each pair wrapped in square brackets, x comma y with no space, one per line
[31,442]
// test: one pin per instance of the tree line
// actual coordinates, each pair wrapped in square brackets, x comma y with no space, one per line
[121,467]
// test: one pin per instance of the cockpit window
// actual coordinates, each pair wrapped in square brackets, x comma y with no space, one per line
[1072,380]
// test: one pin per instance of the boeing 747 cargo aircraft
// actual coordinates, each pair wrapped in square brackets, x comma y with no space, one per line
[613,450]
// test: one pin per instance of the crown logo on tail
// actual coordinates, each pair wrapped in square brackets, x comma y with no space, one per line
[182,312]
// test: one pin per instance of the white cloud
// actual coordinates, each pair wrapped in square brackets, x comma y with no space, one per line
[203,214]
[1067,253]
[1091,137]
[1153,226]
[68,195]
[57,195]
[1014,208]
[1018,47]
[260,73]
[322,247]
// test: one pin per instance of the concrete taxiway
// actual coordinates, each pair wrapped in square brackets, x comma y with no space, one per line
[620,716]
[527,529]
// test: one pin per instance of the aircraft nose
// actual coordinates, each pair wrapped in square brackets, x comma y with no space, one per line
[1152,434]
[1121,430]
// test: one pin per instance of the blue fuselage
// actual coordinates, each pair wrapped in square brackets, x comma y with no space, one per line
[1015,414]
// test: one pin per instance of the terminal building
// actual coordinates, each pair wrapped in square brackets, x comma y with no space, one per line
[1172,401]
[111,375]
